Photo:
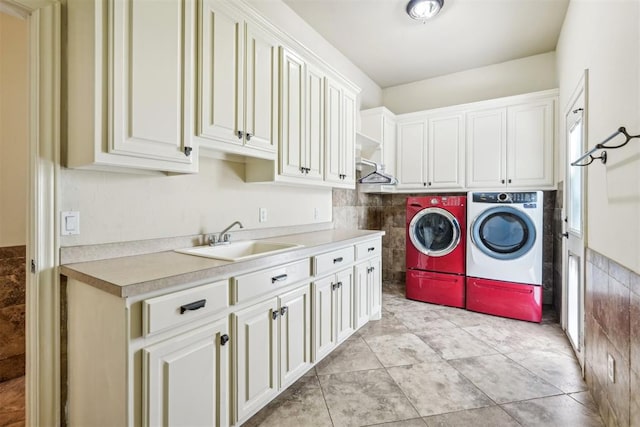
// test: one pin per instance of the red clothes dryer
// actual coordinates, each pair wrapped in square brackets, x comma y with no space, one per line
[435,253]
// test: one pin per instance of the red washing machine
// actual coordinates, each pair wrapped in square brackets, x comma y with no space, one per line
[435,257]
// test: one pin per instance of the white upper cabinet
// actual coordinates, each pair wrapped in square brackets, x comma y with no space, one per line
[379,124]
[313,145]
[431,153]
[511,146]
[130,85]
[340,105]
[238,83]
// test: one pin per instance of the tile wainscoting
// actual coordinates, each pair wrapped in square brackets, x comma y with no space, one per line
[353,209]
[612,316]
[12,312]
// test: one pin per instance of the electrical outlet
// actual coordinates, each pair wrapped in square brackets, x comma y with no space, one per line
[262,214]
[611,368]
[316,213]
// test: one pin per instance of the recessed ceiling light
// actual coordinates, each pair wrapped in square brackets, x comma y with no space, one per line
[422,10]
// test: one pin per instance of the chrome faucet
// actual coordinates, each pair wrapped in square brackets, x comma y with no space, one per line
[223,238]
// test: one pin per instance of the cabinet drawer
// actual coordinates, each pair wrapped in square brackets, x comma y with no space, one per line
[368,249]
[251,285]
[333,260]
[181,307]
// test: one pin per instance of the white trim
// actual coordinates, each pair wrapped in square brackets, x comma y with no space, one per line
[42,293]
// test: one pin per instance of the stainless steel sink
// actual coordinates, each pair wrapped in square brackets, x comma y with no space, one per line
[239,251]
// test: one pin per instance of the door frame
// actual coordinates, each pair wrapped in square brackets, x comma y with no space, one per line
[42,380]
[581,90]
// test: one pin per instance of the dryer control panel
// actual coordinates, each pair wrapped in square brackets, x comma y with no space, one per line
[519,197]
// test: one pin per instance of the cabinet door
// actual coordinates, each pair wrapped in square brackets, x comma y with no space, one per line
[348,137]
[256,351]
[361,294]
[530,130]
[185,379]
[446,152]
[314,147]
[152,60]
[333,132]
[389,145]
[375,288]
[412,151]
[344,304]
[295,335]
[486,148]
[292,115]
[221,82]
[323,318]
[261,92]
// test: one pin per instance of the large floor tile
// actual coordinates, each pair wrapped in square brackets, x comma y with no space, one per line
[502,379]
[401,349]
[302,404]
[364,398]
[493,416]
[436,388]
[558,369]
[388,325]
[352,355]
[416,422]
[521,336]
[423,321]
[455,343]
[560,411]
[585,398]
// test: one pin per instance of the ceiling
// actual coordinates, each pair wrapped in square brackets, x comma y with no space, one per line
[393,49]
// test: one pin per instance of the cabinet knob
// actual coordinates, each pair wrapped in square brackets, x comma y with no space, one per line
[283,310]
[565,235]
[502,181]
[424,184]
[274,314]
[187,151]
[334,286]
[248,136]
[224,339]
[339,285]
[429,184]
[240,134]
[509,181]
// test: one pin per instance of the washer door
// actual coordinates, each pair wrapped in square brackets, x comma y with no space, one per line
[434,232]
[503,233]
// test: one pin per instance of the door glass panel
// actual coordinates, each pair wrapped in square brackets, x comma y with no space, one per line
[573,299]
[504,233]
[434,232]
[574,211]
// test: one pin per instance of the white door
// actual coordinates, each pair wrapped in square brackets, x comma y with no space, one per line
[446,152]
[349,111]
[292,114]
[375,289]
[256,352]
[574,203]
[412,153]
[323,318]
[486,148]
[361,294]
[295,334]
[185,376]
[314,124]
[344,303]
[333,131]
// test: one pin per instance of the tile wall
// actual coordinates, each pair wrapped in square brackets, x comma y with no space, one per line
[612,327]
[353,209]
[12,314]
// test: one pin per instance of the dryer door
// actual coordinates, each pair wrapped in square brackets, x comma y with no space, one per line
[503,233]
[434,232]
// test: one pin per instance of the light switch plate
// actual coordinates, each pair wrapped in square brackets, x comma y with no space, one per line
[263,214]
[69,223]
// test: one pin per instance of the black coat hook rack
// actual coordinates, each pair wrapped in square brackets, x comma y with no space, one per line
[602,146]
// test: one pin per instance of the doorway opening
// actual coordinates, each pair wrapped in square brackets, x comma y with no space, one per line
[14,211]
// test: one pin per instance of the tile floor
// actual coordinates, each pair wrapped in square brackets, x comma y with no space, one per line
[428,365]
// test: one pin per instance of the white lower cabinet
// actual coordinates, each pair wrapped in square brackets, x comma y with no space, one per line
[333,311]
[185,375]
[272,348]
[368,291]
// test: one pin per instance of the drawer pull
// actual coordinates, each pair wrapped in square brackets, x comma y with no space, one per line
[337,260]
[334,286]
[224,339]
[283,310]
[279,278]
[371,249]
[274,314]
[192,306]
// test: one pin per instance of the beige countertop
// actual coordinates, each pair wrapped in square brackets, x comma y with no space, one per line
[135,275]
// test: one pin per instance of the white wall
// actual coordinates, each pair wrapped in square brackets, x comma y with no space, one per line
[530,74]
[14,115]
[285,18]
[606,40]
